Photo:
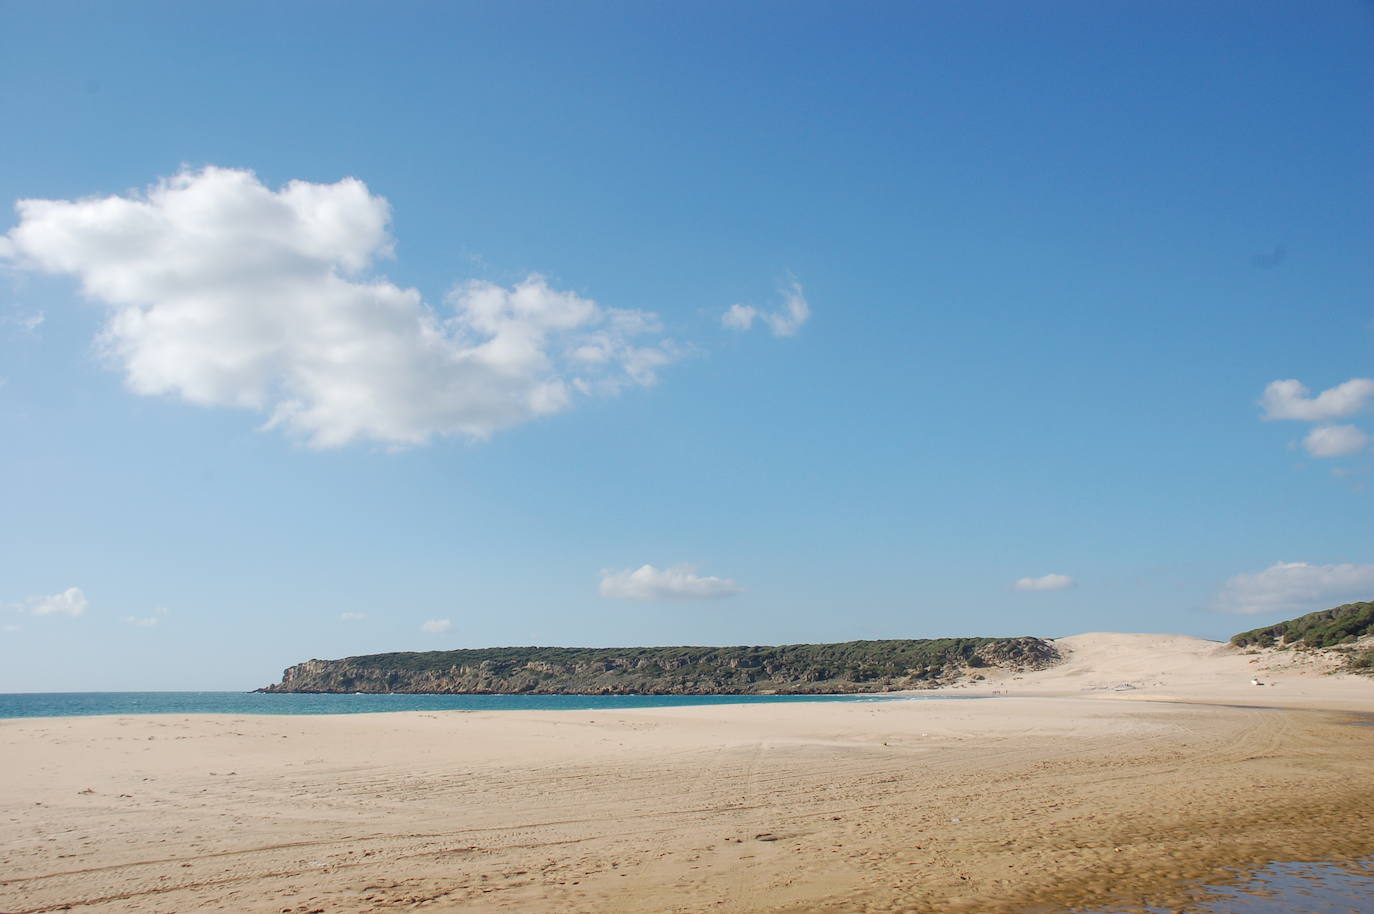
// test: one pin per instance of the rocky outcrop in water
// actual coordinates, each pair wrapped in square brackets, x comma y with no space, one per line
[853,666]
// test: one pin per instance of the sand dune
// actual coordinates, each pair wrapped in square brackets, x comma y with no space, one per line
[1181,668]
[1058,793]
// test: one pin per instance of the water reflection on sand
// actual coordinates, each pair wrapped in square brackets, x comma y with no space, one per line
[1282,888]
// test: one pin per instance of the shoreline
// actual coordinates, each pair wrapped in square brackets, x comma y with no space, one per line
[58,706]
[1355,716]
[1064,800]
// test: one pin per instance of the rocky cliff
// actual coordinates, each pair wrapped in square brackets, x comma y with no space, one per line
[853,666]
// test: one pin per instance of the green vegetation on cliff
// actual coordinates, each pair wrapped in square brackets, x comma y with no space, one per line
[1329,628]
[853,666]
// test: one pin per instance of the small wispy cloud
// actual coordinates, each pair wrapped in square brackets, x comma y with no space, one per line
[739,317]
[786,321]
[1290,399]
[70,602]
[1335,441]
[1045,582]
[1293,588]
[24,322]
[352,617]
[436,626]
[680,582]
[147,621]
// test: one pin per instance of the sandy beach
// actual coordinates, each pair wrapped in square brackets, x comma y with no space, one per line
[1141,763]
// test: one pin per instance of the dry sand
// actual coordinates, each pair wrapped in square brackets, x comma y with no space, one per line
[1058,794]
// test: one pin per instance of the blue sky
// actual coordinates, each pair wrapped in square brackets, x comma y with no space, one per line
[419,313]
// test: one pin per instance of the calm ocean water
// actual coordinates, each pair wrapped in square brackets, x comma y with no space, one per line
[81,704]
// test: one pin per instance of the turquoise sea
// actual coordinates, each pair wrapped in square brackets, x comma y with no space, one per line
[82,704]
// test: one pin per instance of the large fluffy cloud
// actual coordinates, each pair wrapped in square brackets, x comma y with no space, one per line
[1290,399]
[1293,588]
[224,292]
[680,582]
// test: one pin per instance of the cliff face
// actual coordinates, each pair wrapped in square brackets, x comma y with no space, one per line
[855,666]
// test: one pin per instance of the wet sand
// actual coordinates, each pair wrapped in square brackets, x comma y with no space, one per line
[1057,794]
[1310,887]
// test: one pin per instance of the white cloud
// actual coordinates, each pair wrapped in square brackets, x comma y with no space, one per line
[1290,400]
[1294,588]
[352,617]
[784,322]
[147,621]
[224,292]
[1335,441]
[28,322]
[1045,582]
[70,602]
[437,626]
[739,317]
[679,582]
[10,628]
